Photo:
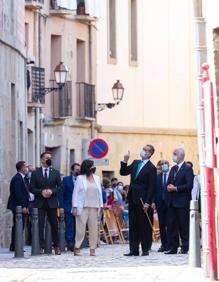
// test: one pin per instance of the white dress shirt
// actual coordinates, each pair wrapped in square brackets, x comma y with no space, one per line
[44,171]
[144,162]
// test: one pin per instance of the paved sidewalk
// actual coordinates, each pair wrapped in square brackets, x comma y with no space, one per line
[108,265]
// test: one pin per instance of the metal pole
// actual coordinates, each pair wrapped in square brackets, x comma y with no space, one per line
[194,236]
[211,223]
[48,238]
[209,124]
[35,233]
[201,57]
[62,231]
[19,240]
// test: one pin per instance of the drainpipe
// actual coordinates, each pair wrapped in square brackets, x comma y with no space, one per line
[201,57]
[92,125]
[37,134]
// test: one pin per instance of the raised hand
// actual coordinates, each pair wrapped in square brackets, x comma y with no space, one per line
[126,157]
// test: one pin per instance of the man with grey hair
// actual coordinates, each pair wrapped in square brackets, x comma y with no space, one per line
[179,187]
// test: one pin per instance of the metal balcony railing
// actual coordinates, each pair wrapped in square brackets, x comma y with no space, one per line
[86,100]
[34,4]
[35,84]
[62,100]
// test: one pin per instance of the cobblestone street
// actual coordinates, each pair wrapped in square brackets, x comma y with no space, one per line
[108,265]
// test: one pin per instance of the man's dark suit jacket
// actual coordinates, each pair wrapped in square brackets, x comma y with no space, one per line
[65,196]
[19,195]
[144,185]
[159,191]
[38,183]
[183,180]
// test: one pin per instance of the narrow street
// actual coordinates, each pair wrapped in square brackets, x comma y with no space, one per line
[108,265]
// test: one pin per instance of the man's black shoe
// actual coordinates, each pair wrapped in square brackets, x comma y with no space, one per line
[183,251]
[170,252]
[145,253]
[161,249]
[11,249]
[131,254]
[71,248]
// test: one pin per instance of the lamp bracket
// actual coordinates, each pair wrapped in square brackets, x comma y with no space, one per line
[103,106]
[44,91]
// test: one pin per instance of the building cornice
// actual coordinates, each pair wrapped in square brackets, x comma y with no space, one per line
[147,131]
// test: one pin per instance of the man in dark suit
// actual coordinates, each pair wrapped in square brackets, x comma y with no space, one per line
[179,186]
[142,187]
[161,203]
[44,184]
[19,196]
[65,204]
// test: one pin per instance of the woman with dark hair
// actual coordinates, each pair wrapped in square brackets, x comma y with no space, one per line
[86,202]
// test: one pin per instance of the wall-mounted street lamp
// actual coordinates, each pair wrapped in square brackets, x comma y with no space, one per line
[60,73]
[118,92]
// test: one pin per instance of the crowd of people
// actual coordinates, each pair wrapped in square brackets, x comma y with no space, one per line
[82,196]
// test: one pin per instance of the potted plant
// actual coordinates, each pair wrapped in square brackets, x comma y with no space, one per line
[81,8]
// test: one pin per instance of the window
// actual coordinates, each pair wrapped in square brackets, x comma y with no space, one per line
[108,174]
[86,101]
[20,140]
[72,157]
[112,31]
[56,53]
[27,35]
[133,36]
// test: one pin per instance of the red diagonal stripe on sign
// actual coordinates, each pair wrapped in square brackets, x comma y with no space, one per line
[98,148]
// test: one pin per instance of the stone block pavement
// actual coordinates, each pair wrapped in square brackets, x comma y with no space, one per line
[108,265]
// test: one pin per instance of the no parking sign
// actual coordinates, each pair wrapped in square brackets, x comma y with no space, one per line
[98,148]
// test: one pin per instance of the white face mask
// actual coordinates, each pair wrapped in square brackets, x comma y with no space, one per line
[175,159]
[142,154]
[120,188]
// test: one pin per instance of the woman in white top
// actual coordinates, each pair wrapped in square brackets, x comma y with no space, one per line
[86,202]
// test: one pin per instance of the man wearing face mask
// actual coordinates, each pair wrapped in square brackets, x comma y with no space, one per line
[161,203]
[179,187]
[117,193]
[142,187]
[65,204]
[44,184]
[19,196]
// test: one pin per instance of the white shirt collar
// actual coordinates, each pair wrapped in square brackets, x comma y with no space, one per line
[179,165]
[23,175]
[44,168]
[144,162]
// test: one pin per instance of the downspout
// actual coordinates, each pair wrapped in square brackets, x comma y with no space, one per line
[92,126]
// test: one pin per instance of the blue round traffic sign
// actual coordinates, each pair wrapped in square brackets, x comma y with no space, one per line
[98,148]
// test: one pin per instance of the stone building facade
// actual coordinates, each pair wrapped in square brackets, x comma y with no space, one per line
[153,58]
[59,121]
[12,102]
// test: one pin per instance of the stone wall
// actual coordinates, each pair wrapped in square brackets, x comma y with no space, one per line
[12,103]
[121,140]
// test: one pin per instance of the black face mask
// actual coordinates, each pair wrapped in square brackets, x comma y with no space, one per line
[49,162]
[93,170]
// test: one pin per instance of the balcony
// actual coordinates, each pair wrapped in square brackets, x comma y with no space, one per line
[81,10]
[34,4]
[62,100]
[86,12]
[63,8]
[86,101]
